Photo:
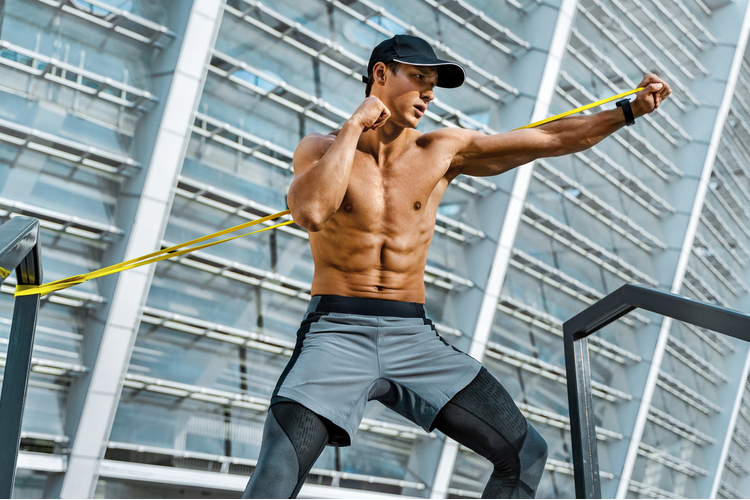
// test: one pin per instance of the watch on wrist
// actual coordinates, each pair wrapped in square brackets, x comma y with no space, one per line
[627,110]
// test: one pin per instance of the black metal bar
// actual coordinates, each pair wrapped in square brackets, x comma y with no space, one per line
[582,425]
[18,237]
[599,314]
[605,311]
[630,297]
[721,320]
[15,382]
[19,249]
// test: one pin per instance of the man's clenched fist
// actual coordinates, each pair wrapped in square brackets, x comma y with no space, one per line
[654,92]
[371,114]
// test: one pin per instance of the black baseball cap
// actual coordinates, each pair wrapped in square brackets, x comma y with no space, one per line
[413,50]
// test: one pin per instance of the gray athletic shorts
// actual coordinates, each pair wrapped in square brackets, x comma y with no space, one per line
[351,350]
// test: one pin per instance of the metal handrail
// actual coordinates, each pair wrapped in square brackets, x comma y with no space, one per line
[20,249]
[600,314]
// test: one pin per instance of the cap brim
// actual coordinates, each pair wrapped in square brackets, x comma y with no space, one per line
[450,74]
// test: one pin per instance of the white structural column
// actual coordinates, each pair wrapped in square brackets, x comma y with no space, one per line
[682,262]
[146,235]
[521,184]
[730,427]
[509,230]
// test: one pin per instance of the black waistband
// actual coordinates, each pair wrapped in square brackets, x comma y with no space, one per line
[368,307]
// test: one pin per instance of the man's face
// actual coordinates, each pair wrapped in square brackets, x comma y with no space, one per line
[407,92]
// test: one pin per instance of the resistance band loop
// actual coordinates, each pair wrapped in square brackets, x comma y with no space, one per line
[151,258]
[180,249]
[582,108]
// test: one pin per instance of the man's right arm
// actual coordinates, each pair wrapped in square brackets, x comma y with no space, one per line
[322,167]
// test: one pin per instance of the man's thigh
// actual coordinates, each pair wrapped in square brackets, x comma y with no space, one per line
[331,370]
[425,372]
[484,417]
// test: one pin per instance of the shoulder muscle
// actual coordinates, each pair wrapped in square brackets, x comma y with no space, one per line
[310,150]
[448,142]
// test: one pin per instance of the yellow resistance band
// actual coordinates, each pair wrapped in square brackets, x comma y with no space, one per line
[582,108]
[180,249]
[163,254]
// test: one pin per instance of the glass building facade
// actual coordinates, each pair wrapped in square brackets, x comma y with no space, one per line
[127,126]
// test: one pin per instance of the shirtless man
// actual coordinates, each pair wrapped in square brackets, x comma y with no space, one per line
[368,194]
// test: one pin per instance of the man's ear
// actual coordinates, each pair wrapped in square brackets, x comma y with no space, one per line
[378,72]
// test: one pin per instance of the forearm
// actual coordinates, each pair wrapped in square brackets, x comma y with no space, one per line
[479,154]
[577,133]
[316,194]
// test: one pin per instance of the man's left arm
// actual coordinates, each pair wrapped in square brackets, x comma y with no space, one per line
[483,155]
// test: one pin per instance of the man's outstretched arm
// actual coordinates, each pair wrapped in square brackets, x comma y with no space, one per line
[322,166]
[481,155]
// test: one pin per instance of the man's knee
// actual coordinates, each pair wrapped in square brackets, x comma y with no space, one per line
[277,471]
[534,445]
[532,458]
[533,452]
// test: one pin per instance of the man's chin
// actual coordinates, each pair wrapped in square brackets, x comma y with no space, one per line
[405,121]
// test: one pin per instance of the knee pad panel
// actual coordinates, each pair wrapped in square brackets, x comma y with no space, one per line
[306,431]
[488,400]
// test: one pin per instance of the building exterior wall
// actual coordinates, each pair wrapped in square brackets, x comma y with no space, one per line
[132,125]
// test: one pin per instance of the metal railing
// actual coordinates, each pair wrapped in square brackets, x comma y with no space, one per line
[20,249]
[576,330]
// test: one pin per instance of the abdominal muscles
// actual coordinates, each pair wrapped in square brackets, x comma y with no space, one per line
[384,260]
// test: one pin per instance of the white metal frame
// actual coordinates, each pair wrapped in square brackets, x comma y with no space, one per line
[584,246]
[59,72]
[579,195]
[99,161]
[114,19]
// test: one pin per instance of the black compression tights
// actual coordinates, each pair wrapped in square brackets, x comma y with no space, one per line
[482,417]
[293,438]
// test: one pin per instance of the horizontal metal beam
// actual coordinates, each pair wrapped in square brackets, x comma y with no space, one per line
[41,462]
[179,477]
[630,297]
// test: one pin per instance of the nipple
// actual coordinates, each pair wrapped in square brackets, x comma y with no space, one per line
[348,208]
[417,205]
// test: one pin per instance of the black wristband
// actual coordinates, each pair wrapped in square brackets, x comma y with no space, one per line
[626,109]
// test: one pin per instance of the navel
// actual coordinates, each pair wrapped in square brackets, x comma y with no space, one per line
[417,205]
[348,208]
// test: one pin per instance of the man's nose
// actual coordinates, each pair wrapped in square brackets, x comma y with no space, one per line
[428,95]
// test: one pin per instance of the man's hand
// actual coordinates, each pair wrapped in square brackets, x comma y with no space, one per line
[371,114]
[322,166]
[648,99]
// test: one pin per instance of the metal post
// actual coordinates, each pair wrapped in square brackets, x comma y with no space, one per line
[19,249]
[582,424]
[15,382]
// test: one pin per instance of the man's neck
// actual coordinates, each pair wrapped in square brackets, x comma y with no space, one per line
[385,141]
